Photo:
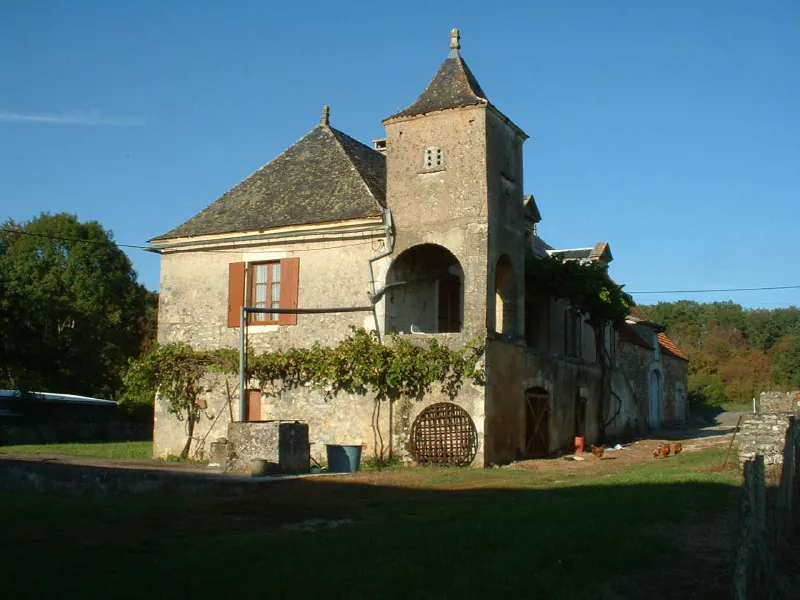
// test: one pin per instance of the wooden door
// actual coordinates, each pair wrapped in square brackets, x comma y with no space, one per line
[253,407]
[449,304]
[537,413]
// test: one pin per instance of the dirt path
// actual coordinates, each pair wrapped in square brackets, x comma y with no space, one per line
[692,440]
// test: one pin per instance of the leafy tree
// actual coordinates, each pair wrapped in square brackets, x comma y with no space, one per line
[707,389]
[71,311]
[786,362]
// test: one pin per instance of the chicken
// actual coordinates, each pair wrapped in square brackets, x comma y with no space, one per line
[656,452]
[598,450]
[676,448]
[665,450]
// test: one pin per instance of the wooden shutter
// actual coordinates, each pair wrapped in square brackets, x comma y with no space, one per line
[290,287]
[235,293]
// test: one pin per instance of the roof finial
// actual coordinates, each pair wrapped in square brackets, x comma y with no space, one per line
[455,38]
[326,115]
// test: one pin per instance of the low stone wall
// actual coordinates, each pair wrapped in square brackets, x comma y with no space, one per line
[766,520]
[779,402]
[765,435]
[53,477]
[17,434]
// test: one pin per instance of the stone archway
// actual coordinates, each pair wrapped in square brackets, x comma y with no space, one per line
[425,291]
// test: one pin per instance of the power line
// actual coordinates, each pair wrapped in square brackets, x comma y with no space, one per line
[236,250]
[748,289]
[65,239]
[232,250]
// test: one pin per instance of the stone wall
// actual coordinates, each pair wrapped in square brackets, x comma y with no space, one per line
[284,446]
[338,419]
[637,363]
[193,301]
[763,434]
[779,402]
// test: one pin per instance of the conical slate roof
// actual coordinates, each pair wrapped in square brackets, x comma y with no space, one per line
[325,176]
[453,86]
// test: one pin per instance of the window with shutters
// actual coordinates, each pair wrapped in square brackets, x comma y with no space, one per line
[268,284]
[265,290]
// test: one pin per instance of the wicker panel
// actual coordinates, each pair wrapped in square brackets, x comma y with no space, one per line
[443,434]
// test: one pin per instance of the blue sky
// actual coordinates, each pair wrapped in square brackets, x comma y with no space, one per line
[669,129]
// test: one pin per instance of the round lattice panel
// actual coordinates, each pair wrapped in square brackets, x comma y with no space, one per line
[443,434]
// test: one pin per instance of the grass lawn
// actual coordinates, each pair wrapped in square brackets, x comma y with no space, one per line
[403,533]
[137,450]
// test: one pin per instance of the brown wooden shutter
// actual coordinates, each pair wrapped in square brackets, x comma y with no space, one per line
[235,293]
[290,284]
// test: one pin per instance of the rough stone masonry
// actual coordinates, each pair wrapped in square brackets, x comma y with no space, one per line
[764,434]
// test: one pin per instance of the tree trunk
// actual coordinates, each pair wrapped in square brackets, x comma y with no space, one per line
[190,433]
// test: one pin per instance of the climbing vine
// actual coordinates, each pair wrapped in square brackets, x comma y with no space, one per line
[359,364]
[590,291]
[586,286]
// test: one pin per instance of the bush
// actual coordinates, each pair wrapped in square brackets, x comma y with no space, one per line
[707,389]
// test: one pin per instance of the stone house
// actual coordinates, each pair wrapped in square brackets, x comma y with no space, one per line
[434,217]
[656,370]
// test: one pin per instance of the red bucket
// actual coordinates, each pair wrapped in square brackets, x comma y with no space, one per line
[578,445]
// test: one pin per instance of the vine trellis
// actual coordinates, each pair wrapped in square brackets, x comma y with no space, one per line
[359,364]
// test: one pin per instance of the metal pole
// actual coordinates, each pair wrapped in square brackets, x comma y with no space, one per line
[242,362]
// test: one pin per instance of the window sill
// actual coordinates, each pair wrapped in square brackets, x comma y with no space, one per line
[263,327]
[436,170]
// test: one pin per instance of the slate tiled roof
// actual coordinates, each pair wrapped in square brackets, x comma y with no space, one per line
[530,208]
[453,86]
[573,254]
[325,176]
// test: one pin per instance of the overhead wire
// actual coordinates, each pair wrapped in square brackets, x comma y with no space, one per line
[371,240]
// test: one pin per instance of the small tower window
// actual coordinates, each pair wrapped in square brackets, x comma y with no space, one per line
[433,159]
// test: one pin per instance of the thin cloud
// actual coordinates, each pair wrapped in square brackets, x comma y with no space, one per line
[86,117]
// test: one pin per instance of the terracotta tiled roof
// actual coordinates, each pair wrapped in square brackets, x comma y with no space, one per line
[670,348]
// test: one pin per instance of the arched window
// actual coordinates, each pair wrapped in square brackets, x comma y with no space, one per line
[425,291]
[505,296]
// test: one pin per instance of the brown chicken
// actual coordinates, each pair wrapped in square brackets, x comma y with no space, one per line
[676,448]
[656,452]
[665,450]
[598,450]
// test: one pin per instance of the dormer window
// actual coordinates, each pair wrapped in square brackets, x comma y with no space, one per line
[433,160]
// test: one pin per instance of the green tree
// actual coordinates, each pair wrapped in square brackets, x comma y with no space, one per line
[71,310]
[786,362]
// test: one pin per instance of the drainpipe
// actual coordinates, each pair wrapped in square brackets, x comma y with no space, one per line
[388,224]
[242,362]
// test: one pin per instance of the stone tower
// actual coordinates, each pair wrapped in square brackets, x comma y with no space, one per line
[454,185]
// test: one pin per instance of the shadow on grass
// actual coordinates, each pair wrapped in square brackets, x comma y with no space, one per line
[341,538]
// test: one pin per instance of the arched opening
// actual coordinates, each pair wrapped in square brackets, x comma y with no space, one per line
[655,399]
[425,291]
[505,296]
[537,423]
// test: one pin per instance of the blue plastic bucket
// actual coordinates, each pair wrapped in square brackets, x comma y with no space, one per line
[343,459]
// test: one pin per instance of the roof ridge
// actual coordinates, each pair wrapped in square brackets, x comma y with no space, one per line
[336,133]
[321,177]
[452,86]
